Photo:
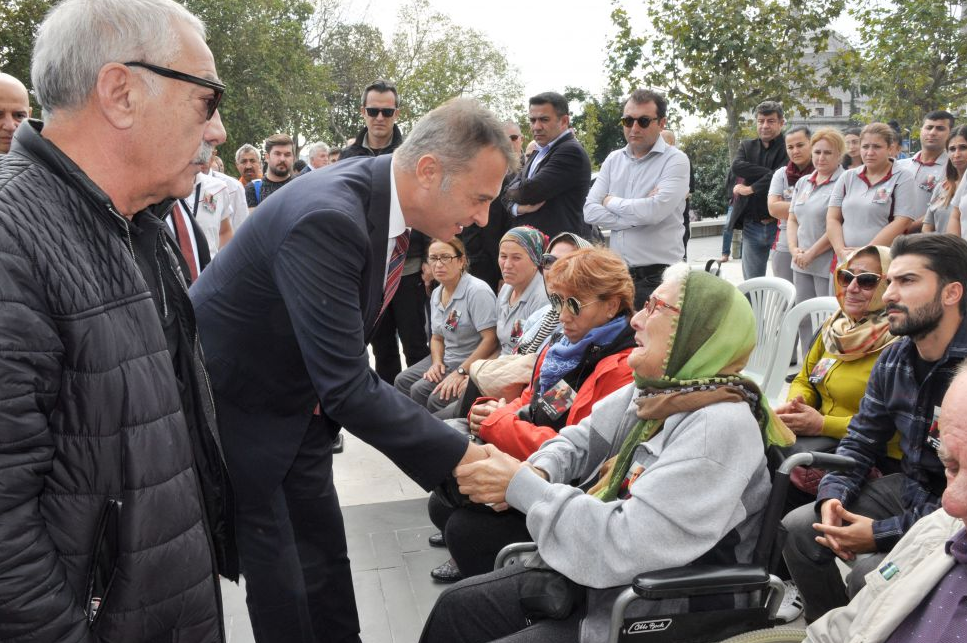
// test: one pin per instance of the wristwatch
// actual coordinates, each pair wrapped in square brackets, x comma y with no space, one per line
[462,371]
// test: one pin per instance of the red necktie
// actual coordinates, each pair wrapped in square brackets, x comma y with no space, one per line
[184,240]
[395,270]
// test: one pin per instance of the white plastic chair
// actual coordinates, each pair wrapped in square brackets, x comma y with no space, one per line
[818,310]
[771,299]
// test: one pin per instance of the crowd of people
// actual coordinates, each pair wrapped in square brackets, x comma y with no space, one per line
[180,349]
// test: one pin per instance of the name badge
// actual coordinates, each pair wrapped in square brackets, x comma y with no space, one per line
[557,400]
[820,369]
[787,193]
[882,195]
[933,433]
[929,183]
[453,320]
[803,196]
[624,491]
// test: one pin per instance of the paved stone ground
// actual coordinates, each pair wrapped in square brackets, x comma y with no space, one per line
[387,528]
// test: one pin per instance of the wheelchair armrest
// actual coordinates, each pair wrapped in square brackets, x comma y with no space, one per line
[698,580]
[513,553]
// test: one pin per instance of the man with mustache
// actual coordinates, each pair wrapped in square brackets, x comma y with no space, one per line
[115,505]
[854,514]
[280,156]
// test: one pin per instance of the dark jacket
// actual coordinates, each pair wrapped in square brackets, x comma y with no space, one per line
[285,312]
[358,149]
[562,181]
[102,482]
[756,164]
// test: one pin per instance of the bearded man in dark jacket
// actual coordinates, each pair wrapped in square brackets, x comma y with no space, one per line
[113,494]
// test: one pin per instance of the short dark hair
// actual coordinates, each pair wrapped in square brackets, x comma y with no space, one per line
[278,139]
[940,115]
[642,96]
[852,131]
[799,128]
[379,85]
[558,102]
[299,165]
[945,254]
[767,107]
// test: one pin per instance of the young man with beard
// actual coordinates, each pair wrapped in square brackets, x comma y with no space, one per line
[854,514]
[280,155]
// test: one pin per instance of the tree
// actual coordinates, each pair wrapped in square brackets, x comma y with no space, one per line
[262,56]
[597,124]
[912,59]
[712,56]
[432,60]
[708,153]
[19,20]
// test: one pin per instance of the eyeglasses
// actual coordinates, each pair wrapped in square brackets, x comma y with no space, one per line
[573,305]
[643,121]
[547,260]
[387,112]
[865,280]
[514,137]
[444,259]
[654,303]
[213,85]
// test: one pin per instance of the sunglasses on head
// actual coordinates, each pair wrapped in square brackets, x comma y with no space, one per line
[215,86]
[643,121]
[571,303]
[387,112]
[514,137]
[865,280]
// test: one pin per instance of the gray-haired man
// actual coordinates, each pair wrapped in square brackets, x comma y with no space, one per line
[111,521]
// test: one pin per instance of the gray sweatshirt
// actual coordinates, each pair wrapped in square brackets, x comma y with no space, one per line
[704,476]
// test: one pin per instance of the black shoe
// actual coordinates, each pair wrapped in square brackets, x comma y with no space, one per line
[437,540]
[448,572]
[337,444]
[791,377]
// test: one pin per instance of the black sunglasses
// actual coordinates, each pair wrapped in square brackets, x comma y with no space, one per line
[643,121]
[387,112]
[215,86]
[865,280]
[572,304]
[514,137]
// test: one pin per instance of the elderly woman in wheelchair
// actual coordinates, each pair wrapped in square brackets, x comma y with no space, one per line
[667,471]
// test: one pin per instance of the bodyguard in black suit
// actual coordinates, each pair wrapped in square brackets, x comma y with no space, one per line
[550,191]
[284,313]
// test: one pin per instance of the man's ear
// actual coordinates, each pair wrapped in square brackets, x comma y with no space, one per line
[429,172]
[118,94]
[952,293]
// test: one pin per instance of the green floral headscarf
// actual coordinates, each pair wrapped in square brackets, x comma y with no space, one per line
[710,344]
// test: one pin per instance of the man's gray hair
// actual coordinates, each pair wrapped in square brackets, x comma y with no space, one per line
[315,148]
[455,132]
[246,149]
[79,37]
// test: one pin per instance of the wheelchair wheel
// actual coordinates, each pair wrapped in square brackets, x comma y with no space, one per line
[774,635]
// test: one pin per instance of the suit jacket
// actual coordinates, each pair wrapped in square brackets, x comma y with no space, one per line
[562,181]
[755,164]
[284,313]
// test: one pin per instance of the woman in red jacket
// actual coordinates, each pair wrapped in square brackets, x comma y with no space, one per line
[583,363]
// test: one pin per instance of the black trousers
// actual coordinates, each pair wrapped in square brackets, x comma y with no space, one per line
[405,316]
[646,279]
[292,546]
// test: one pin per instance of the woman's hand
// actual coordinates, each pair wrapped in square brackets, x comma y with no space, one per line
[486,481]
[802,258]
[480,412]
[451,386]
[435,372]
[801,418]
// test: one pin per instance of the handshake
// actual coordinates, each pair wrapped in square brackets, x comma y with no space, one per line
[484,474]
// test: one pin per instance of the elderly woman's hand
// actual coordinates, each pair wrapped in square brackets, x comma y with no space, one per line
[801,418]
[480,412]
[486,481]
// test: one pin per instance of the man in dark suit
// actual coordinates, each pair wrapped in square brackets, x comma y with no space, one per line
[284,313]
[755,162]
[550,190]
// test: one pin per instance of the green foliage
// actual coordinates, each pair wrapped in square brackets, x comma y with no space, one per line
[19,20]
[912,58]
[724,55]
[597,124]
[708,151]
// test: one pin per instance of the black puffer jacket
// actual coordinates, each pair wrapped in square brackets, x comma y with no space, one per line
[101,479]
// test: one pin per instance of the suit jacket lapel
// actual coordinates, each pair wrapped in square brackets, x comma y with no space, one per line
[377,221]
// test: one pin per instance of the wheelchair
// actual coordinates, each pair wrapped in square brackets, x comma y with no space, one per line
[755,623]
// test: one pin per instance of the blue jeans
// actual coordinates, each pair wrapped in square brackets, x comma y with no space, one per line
[757,240]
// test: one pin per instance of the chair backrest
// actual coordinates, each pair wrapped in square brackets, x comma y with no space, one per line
[818,310]
[771,299]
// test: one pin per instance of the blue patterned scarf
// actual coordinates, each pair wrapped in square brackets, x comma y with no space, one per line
[562,357]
